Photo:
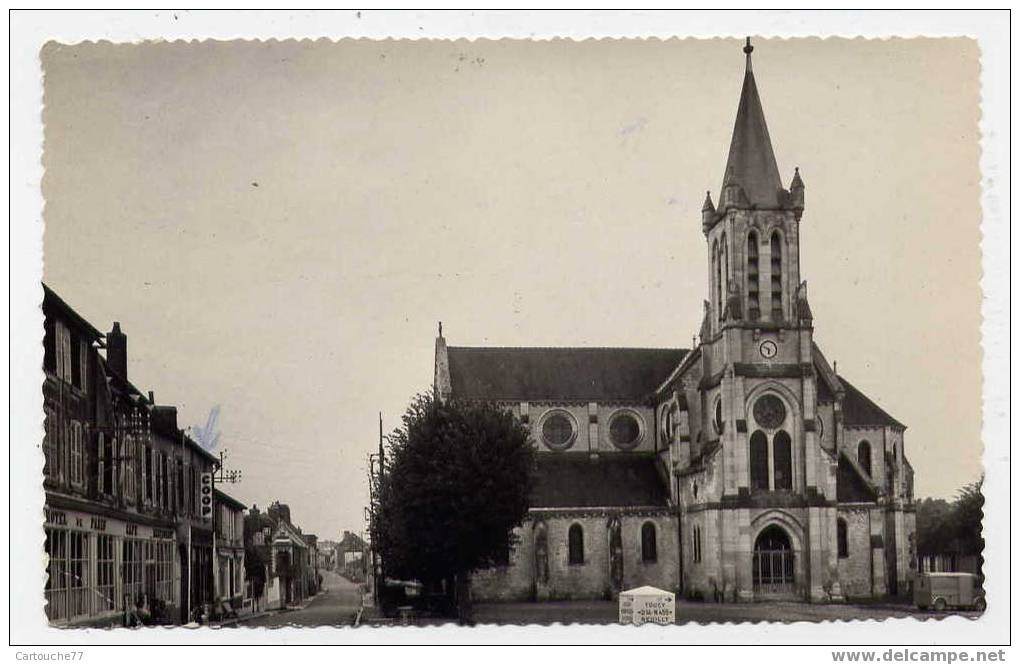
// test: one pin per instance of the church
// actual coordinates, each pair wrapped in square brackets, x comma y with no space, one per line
[743,469]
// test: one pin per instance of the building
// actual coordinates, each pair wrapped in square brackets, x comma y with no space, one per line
[126,536]
[229,524]
[743,469]
[351,556]
[285,561]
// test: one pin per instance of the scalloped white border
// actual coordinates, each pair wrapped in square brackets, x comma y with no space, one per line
[29,30]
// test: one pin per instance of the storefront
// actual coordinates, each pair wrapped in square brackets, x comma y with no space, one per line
[101,568]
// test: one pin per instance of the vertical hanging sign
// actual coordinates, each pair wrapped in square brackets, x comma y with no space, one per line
[206,498]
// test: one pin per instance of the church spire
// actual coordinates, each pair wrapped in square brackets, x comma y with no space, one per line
[751,177]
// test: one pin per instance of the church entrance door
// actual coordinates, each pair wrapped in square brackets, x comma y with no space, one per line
[773,564]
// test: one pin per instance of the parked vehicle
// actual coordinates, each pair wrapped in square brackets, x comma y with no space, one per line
[941,591]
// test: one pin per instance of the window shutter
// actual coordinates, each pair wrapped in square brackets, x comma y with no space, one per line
[145,475]
[102,462]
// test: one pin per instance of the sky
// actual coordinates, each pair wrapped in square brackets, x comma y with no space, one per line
[279,226]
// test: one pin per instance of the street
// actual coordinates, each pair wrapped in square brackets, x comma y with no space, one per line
[601,612]
[336,605]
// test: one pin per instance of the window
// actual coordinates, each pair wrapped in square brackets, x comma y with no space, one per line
[575,545]
[842,546]
[163,560]
[769,411]
[51,445]
[625,430]
[696,543]
[724,274]
[56,574]
[759,461]
[77,454]
[864,456]
[718,422]
[649,552]
[131,568]
[146,474]
[63,348]
[777,275]
[717,291]
[78,574]
[76,365]
[753,285]
[179,486]
[107,465]
[783,467]
[127,445]
[558,430]
[104,573]
[83,365]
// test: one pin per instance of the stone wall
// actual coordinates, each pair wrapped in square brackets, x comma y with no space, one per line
[590,579]
[855,569]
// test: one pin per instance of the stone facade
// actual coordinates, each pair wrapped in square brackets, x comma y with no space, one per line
[765,474]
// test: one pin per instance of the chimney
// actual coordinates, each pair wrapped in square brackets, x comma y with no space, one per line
[152,397]
[116,351]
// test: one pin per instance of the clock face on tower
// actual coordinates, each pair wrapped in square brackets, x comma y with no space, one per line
[768,349]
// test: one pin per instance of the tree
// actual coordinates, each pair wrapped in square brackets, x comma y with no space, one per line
[457,481]
[254,570]
[952,528]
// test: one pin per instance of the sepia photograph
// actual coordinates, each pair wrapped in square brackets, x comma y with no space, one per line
[506,332]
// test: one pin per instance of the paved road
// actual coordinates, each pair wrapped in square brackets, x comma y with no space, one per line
[600,612]
[335,605]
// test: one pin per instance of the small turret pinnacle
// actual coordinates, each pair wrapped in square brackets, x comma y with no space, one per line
[708,202]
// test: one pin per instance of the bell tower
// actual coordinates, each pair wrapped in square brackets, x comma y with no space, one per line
[752,236]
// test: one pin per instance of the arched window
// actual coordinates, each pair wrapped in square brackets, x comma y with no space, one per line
[783,463]
[575,545]
[649,552]
[714,280]
[864,456]
[842,546]
[776,244]
[759,461]
[725,263]
[753,300]
[724,271]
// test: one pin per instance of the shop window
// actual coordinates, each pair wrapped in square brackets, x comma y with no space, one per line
[104,573]
[575,545]
[78,575]
[649,550]
[56,574]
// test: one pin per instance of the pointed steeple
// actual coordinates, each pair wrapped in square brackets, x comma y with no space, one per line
[751,166]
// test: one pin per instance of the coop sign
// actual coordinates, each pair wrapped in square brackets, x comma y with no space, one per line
[647,605]
[205,497]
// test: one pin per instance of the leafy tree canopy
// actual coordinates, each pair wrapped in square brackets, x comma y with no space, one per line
[457,480]
[944,527]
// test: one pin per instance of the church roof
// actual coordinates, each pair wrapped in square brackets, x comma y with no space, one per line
[751,162]
[576,481]
[531,374]
[858,410]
